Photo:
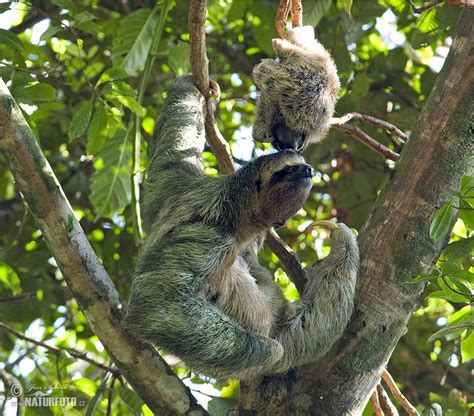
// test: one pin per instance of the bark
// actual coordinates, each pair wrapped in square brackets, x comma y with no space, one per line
[395,246]
[88,281]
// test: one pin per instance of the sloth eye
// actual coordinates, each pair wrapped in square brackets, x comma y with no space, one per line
[290,168]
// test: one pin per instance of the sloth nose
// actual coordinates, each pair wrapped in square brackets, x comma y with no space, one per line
[305,169]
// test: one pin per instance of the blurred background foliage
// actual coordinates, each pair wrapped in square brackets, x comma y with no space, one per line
[91,77]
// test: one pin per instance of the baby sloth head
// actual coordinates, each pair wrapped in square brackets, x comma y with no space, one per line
[282,184]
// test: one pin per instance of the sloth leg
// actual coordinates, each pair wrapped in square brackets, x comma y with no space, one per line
[312,325]
[204,337]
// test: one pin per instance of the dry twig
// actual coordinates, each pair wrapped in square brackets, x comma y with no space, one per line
[288,259]
[281,16]
[385,403]
[409,408]
[59,351]
[364,138]
[374,399]
[296,13]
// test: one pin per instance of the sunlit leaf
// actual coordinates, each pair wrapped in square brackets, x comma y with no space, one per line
[450,329]
[134,39]
[110,185]
[97,129]
[178,59]
[441,222]
[347,4]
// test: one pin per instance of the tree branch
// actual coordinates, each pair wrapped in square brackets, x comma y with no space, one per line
[59,351]
[371,120]
[146,371]
[385,403]
[374,399]
[288,259]
[364,138]
[409,408]
[200,65]
[281,16]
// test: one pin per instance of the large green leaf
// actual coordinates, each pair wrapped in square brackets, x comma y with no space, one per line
[441,222]
[110,185]
[448,330]
[314,11]
[80,121]
[134,39]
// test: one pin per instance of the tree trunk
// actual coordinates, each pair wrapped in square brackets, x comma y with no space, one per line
[395,246]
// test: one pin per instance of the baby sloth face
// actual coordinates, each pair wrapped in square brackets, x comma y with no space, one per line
[285,185]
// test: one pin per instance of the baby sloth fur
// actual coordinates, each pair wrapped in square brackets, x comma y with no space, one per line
[298,91]
[199,291]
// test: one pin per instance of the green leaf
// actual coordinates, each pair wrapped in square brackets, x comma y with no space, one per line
[111,185]
[459,249]
[314,11]
[467,348]
[427,29]
[219,406]
[467,186]
[11,40]
[178,59]
[50,32]
[35,93]
[9,279]
[132,104]
[41,92]
[347,4]
[97,130]
[441,222]
[66,4]
[466,213]
[134,39]
[450,329]
[80,121]
[111,75]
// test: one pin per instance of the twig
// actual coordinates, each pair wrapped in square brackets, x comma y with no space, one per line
[374,399]
[374,121]
[14,298]
[296,13]
[427,6]
[58,351]
[200,66]
[385,403]
[281,16]
[288,258]
[364,138]
[409,408]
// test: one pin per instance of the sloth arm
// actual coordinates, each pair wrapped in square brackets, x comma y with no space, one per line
[308,328]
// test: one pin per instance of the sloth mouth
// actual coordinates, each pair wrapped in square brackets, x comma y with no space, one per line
[301,178]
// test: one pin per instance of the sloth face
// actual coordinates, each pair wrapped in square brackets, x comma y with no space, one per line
[283,186]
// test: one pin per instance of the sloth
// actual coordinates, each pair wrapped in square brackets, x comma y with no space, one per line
[199,291]
[298,92]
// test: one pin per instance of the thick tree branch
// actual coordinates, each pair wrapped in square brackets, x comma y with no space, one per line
[146,371]
[395,243]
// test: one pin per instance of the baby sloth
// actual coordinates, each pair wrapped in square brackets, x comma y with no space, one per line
[199,291]
[298,92]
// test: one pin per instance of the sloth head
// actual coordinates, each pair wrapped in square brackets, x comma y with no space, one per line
[281,184]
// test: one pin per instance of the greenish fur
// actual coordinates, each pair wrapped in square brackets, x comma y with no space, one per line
[199,291]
